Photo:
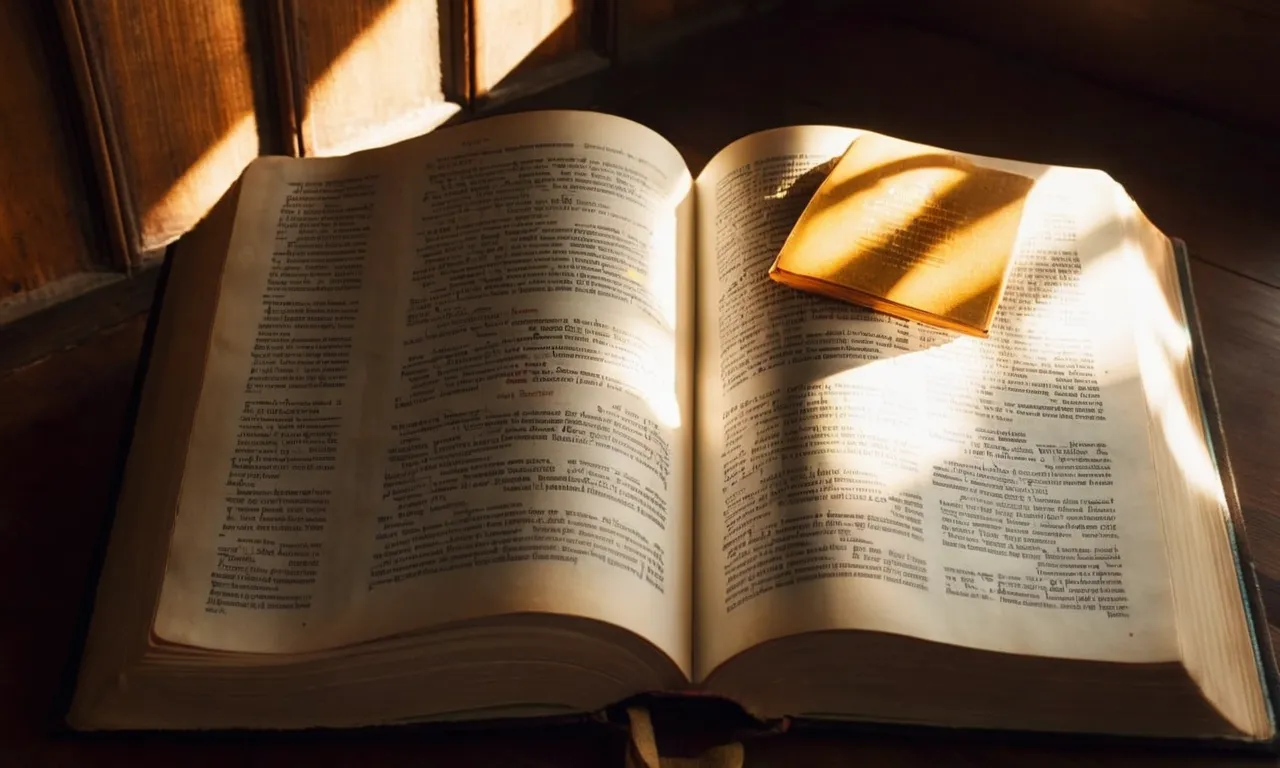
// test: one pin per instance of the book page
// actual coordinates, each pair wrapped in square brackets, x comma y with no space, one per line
[502,427]
[268,485]
[859,471]
[538,445]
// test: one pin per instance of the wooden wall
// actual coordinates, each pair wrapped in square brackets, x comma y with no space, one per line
[363,73]
[1217,57]
[49,235]
[122,122]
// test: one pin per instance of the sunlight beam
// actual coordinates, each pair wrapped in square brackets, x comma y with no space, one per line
[350,106]
[658,384]
[205,182]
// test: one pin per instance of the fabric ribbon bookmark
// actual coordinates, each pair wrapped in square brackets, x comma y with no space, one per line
[642,748]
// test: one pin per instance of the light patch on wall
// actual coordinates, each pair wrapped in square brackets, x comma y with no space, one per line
[364,99]
[202,185]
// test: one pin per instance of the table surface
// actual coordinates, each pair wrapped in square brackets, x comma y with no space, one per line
[61,419]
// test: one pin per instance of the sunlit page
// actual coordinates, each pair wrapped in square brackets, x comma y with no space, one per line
[456,383]
[862,471]
[536,449]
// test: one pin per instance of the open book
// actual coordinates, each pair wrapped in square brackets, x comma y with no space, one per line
[509,420]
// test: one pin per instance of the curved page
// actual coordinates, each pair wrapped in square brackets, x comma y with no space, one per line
[859,471]
[450,379]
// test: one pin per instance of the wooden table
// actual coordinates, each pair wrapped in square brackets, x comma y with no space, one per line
[1214,186]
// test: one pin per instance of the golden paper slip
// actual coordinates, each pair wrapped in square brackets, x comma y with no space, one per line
[910,230]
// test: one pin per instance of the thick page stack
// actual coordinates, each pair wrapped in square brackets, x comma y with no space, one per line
[421,424]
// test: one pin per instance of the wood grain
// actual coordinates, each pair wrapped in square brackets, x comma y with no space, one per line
[174,85]
[1241,320]
[645,27]
[69,426]
[48,231]
[70,321]
[1198,178]
[365,73]
[1219,56]
[1188,172]
[650,12]
[522,45]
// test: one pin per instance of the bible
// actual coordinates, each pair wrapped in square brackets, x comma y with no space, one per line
[509,420]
